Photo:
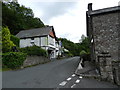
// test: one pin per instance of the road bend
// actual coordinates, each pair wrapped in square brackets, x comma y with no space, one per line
[48,75]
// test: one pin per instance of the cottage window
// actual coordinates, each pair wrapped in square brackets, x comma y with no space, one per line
[32,43]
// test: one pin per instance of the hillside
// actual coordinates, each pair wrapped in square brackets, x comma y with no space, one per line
[18,17]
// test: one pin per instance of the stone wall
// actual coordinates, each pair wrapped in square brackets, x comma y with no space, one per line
[116,71]
[34,60]
[119,34]
[106,28]
[105,32]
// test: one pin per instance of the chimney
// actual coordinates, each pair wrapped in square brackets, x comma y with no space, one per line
[119,3]
[90,7]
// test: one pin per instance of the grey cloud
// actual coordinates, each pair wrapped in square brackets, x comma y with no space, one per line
[53,9]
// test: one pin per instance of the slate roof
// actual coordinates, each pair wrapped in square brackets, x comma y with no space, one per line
[104,10]
[35,32]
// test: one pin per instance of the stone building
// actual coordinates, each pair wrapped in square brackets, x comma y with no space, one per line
[103,30]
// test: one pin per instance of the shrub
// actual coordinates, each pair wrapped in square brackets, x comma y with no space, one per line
[7,44]
[85,55]
[70,54]
[15,40]
[13,60]
[83,52]
[34,50]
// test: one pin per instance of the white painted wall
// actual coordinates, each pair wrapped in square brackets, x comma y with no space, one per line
[51,41]
[25,42]
[44,41]
[36,41]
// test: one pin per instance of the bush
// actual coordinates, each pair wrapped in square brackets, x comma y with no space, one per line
[70,54]
[7,44]
[13,60]
[34,50]
[15,40]
[83,52]
[85,55]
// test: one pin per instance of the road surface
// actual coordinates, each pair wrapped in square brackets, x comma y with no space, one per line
[55,74]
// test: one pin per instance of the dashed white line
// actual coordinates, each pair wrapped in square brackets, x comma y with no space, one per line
[80,77]
[73,85]
[77,81]
[73,75]
[63,83]
[69,79]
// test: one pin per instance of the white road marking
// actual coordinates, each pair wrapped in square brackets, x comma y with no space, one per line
[69,79]
[73,85]
[77,81]
[80,66]
[73,75]
[63,83]
[80,77]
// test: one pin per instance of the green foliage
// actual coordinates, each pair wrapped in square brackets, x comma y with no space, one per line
[85,49]
[34,50]
[7,44]
[85,45]
[70,54]
[85,55]
[69,45]
[0,38]
[13,60]
[76,48]
[15,40]
[83,52]
[67,53]
[17,17]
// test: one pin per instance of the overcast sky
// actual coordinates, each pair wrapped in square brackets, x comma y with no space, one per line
[67,16]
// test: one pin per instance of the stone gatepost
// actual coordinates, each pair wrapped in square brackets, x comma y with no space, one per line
[105,66]
[116,72]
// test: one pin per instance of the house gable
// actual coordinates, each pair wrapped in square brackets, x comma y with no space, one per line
[52,34]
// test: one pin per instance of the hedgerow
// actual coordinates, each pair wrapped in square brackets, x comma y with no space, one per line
[13,60]
[34,50]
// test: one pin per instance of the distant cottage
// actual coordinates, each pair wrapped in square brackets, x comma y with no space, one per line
[103,30]
[44,37]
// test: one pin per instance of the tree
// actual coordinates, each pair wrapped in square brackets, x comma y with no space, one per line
[82,38]
[76,48]
[69,45]
[15,40]
[7,44]
[17,17]
[85,45]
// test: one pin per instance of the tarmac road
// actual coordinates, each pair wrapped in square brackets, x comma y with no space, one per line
[56,74]
[41,76]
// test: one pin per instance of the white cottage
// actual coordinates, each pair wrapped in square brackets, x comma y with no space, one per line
[44,37]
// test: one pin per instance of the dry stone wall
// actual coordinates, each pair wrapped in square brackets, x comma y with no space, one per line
[34,60]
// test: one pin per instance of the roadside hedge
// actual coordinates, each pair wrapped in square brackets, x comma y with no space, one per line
[34,50]
[13,60]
